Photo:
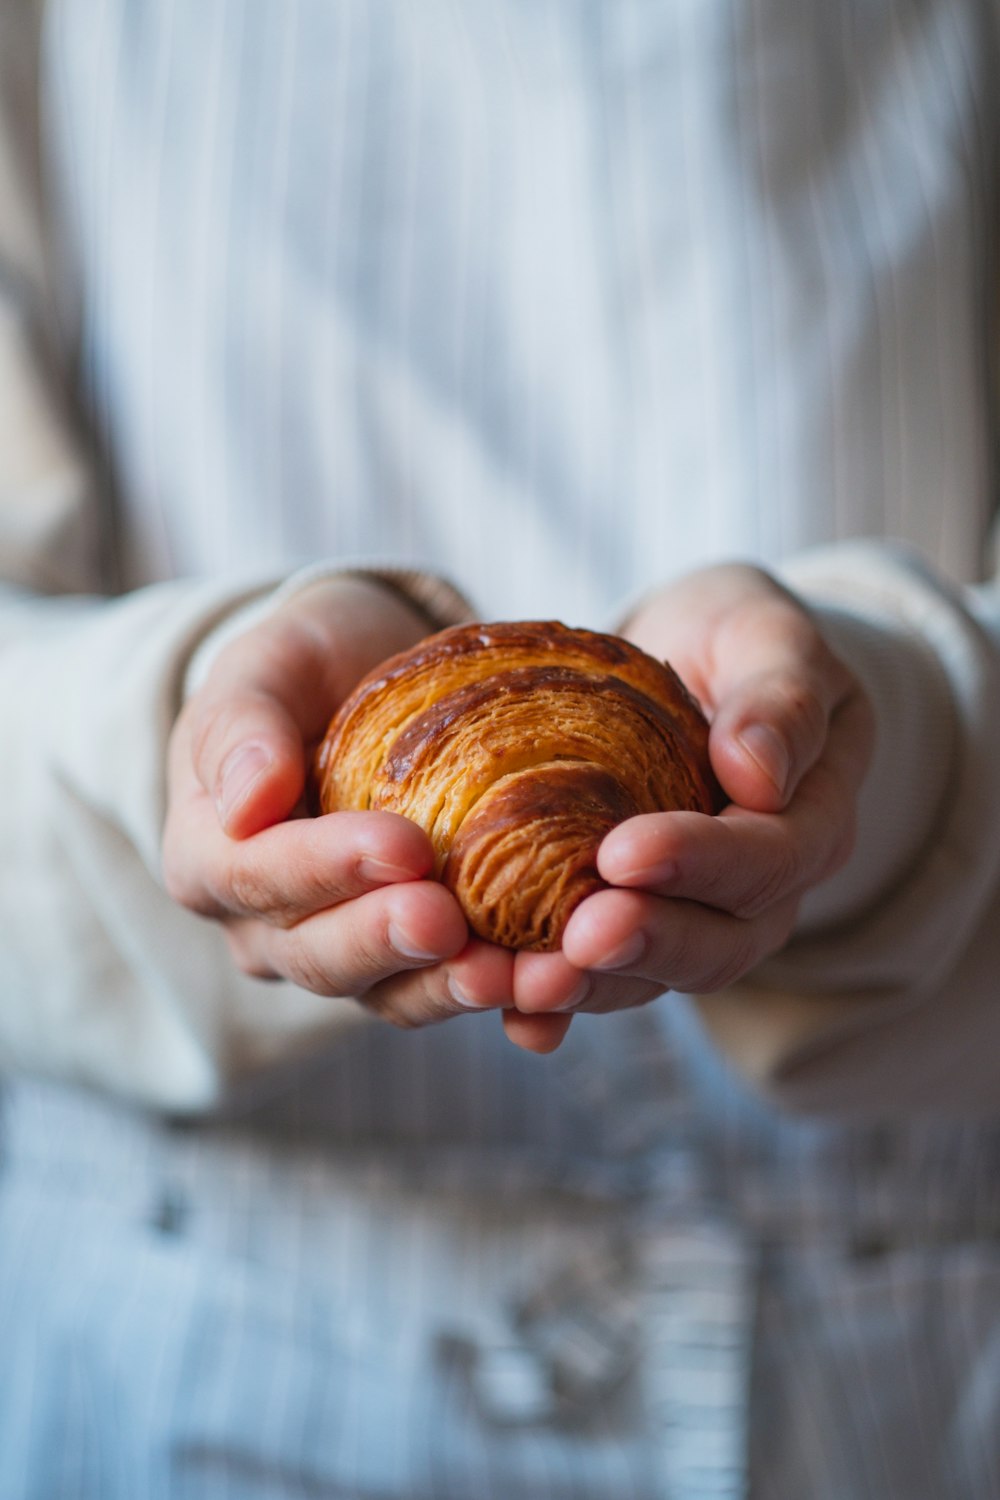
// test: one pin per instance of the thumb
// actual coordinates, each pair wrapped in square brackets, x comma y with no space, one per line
[248,754]
[270,693]
[770,730]
[778,687]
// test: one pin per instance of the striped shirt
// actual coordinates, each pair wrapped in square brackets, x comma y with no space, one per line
[562,299]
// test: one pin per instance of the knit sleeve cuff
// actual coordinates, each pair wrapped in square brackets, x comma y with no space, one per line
[879,946]
[439,602]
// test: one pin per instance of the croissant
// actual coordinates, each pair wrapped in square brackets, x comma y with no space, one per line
[517,747]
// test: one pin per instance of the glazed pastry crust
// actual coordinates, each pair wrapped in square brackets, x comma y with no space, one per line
[517,747]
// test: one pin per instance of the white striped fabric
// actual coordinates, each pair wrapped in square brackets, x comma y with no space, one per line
[559,298]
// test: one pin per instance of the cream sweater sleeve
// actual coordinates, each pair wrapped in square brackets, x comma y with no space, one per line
[887,1001]
[102,977]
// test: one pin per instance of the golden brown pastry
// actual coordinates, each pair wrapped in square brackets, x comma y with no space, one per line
[517,747]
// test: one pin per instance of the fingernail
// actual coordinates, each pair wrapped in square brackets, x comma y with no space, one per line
[577,997]
[461,998]
[240,771]
[379,873]
[650,875]
[628,953]
[765,746]
[407,948]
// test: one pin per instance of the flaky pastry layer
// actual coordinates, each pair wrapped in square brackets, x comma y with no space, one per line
[517,747]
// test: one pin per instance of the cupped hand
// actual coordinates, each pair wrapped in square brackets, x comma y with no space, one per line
[695,902]
[337,904]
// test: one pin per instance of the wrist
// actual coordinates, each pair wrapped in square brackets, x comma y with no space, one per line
[359,620]
[431,604]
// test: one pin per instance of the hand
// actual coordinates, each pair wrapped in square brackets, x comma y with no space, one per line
[696,902]
[337,904]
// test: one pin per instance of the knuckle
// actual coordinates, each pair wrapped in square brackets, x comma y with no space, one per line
[248,890]
[183,888]
[805,713]
[742,953]
[247,955]
[304,967]
[783,873]
[361,961]
[615,993]
[721,877]
[403,1011]
[680,960]
[403,1020]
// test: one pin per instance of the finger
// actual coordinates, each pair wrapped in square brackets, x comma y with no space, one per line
[478,978]
[541,1033]
[744,861]
[603,993]
[287,872]
[762,670]
[548,982]
[740,863]
[348,949]
[271,692]
[677,945]
[614,992]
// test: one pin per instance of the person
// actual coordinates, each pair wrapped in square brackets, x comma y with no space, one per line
[322,327]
